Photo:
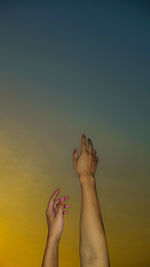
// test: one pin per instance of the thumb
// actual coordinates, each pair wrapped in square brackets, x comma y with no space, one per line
[75,156]
[60,208]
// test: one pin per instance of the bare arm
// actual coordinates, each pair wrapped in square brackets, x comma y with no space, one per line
[50,258]
[55,219]
[93,245]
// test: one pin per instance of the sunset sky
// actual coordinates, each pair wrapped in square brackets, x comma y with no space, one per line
[68,69]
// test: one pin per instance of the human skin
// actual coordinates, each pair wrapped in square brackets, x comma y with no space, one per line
[55,219]
[93,248]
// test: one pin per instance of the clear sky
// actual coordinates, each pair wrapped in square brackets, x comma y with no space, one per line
[68,69]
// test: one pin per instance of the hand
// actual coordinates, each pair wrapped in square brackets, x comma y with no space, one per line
[55,214]
[85,164]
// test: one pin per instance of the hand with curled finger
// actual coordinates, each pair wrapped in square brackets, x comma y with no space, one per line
[55,214]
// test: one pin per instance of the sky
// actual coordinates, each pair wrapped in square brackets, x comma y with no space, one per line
[68,69]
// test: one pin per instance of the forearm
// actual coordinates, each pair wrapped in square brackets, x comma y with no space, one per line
[50,258]
[93,245]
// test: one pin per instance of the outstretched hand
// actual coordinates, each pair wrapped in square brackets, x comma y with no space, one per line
[86,163]
[55,214]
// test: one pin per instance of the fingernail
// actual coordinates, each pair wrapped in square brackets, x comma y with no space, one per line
[62,198]
[83,134]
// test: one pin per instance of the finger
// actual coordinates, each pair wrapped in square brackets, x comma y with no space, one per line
[75,157]
[52,199]
[67,206]
[75,153]
[65,212]
[64,198]
[94,153]
[56,203]
[55,194]
[60,208]
[83,143]
[90,145]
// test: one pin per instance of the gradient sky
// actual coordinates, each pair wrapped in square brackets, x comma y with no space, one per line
[68,69]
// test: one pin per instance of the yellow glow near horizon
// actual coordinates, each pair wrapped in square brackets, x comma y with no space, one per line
[25,191]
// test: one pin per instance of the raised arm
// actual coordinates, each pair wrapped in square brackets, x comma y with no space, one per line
[55,219]
[93,245]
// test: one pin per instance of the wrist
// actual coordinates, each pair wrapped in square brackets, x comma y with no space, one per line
[87,178]
[52,239]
